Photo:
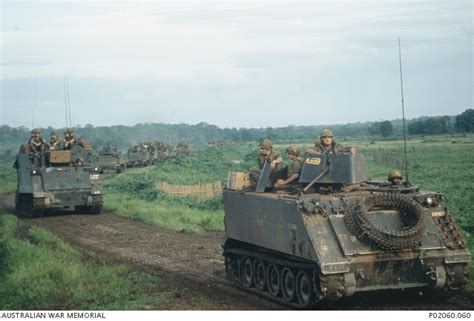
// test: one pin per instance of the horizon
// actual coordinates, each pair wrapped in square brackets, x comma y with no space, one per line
[81,126]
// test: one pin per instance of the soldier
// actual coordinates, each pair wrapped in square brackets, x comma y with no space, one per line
[266,153]
[37,147]
[293,169]
[69,139]
[326,145]
[395,178]
[54,141]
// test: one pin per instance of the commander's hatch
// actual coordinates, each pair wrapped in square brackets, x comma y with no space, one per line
[343,169]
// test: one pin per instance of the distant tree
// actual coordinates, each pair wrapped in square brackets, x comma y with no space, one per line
[465,121]
[446,123]
[416,127]
[432,126]
[384,128]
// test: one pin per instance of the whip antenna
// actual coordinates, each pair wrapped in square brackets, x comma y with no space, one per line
[65,102]
[34,107]
[403,115]
[68,102]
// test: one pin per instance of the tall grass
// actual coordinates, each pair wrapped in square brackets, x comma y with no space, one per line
[39,271]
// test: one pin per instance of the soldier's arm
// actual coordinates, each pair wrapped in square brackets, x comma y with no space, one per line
[311,151]
[289,180]
[276,161]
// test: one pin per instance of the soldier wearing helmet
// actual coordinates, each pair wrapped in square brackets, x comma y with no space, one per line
[54,141]
[69,139]
[395,177]
[37,146]
[293,168]
[326,144]
[267,153]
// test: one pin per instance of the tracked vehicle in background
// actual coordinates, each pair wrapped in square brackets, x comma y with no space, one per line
[109,159]
[140,155]
[342,235]
[57,180]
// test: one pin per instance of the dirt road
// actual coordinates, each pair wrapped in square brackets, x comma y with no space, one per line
[192,266]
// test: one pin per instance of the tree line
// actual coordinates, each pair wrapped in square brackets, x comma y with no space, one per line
[200,134]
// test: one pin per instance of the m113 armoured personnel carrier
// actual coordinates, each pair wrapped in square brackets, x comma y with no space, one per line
[57,179]
[335,234]
[109,159]
[139,156]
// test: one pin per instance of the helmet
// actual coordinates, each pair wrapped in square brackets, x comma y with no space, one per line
[266,143]
[326,132]
[69,131]
[394,174]
[53,133]
[293,149]
[36,131]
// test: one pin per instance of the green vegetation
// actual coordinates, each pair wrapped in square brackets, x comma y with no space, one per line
[39,271]
[7,177]
[133,194]
[200,134]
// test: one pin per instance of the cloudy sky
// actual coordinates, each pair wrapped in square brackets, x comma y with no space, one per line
[233,64]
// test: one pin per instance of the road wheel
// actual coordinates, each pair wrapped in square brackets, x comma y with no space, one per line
[246,272]
[288,284]
[273,278]
[260,275]
[304,289]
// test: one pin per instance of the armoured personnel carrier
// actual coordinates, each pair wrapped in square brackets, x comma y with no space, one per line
[57,179]
[164,150]
[139,155]
[182,149]
[335,233]
[109,159]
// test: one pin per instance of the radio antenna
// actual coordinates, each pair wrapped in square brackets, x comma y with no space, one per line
[68,102]
[65,102]
[407,181]
[34,106]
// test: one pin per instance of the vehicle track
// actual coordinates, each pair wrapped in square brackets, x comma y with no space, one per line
[193,265]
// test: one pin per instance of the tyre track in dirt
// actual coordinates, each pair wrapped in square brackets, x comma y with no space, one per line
[193,267]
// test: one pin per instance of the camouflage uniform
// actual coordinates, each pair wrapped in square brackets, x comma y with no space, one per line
[54,142]
[295,166]
[333,148]
[69,139]
[293,169]
[37,147]
[274,156]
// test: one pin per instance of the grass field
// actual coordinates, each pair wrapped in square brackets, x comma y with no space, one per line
[40,271]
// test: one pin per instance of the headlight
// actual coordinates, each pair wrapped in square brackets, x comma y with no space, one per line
[33,172]
[96,169]
[429,201]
